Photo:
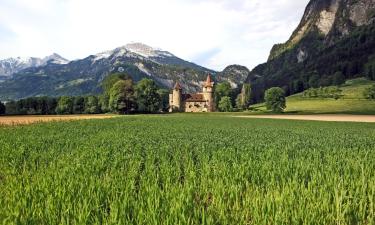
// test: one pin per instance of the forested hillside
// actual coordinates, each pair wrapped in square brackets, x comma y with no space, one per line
[321,56]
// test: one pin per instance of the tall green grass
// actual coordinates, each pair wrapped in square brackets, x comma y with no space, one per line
[187,169]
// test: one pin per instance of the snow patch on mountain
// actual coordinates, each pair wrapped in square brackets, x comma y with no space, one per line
[142,49]
[142,68]
[103,55]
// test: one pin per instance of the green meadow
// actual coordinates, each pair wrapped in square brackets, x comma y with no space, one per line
[187,169]
[351,101]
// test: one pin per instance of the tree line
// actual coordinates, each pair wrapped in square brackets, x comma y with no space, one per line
[120,95]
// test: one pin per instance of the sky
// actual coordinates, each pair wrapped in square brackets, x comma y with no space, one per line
[211,33]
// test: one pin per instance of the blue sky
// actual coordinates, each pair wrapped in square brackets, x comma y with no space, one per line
[212,33]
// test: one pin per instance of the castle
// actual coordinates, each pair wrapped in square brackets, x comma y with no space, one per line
[200,102]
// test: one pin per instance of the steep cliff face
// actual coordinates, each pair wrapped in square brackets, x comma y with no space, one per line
[234,74]
[331,19]
[334,36]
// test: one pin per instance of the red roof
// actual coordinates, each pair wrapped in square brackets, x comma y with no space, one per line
[193,98]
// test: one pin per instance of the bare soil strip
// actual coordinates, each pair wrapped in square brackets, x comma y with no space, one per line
[22,120]
[325,117]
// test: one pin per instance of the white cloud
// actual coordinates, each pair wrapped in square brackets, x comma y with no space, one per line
[214,33]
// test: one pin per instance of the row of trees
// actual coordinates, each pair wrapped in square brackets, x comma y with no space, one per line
[323,92]
[228,99]
[50,106]
[274,98]
[120,95]
[123,96]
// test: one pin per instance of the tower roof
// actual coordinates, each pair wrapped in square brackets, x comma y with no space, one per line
[209,82]
[177,86]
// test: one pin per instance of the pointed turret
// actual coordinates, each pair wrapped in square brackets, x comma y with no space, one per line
[209,82]
[208,90]
[177,86]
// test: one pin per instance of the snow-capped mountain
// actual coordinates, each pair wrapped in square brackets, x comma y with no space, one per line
[135,50]
[144,52]
[13,65]
[84,76]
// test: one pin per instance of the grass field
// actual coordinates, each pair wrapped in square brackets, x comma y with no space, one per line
[351,102]
[187,169]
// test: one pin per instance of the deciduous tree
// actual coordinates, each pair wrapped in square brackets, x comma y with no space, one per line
[225,104]
[65,105]
[275,99]
[148,99]
[121,98]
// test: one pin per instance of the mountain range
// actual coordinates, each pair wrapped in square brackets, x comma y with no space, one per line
[10,66]
[334,42]
[55,76]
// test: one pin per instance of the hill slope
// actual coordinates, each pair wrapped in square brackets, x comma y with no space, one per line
[335,41]
[351,101]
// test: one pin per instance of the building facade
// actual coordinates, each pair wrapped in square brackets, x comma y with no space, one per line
[198,102]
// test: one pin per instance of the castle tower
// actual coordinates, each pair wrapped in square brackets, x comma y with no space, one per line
[208,93]
[175,99]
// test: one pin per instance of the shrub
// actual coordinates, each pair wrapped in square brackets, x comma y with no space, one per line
[369,93]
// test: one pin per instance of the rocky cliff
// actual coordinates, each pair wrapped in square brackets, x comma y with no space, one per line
[333,42]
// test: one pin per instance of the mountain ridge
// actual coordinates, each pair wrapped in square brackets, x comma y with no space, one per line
[84,76]
[9,66]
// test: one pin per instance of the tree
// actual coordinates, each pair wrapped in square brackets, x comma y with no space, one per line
[51,105]
[225,104]
[11,108]
[297,86]
[222,90]
[275,99]
[107,85]
[78,105]
[121,98]
[65,105]
[243,99]
[148,99]
[164,96]
[338,78]
[314,81]
[104,103]
[369,93]
[2,108]
[91,105]
[111,79]
[239,103]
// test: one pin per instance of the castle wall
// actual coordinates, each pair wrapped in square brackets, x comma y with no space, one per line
[195,107]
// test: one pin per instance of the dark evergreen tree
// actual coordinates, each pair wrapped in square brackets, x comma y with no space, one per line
[79,105]
[2,108]
[148,99]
